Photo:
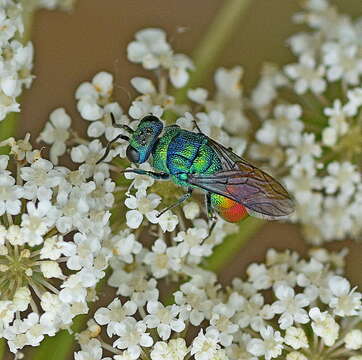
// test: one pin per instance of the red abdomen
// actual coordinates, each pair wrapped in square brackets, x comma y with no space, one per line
[228,209]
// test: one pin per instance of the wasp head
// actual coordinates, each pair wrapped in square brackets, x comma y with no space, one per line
[143,139]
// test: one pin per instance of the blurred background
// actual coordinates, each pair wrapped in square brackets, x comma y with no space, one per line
[71,47]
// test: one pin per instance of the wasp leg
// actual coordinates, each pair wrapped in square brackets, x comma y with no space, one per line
[210,213]
[157,176]
[178,202]
[197,126]
[108,148]
[122,126]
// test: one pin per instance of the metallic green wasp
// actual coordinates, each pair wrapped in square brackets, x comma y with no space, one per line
[233,187]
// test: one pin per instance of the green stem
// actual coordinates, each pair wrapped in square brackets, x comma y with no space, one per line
[229,248]
[7,129]
[2,348]
[214,42]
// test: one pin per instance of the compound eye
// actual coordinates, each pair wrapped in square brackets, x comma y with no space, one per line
[132,154]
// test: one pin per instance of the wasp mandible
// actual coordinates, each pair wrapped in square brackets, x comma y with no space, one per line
[233,187]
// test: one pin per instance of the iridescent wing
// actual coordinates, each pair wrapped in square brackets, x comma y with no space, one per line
[261,194]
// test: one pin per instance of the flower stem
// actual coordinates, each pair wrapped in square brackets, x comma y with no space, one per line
[214,42]
[2,348]
[229,248]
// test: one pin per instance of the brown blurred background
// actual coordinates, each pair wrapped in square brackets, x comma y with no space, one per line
[72,47]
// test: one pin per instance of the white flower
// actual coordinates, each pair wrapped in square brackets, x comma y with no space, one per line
[343,177]
[353,339]
[337,117]
[141,182]
[191,210]
[296,338]
[168,221]
[285,127]
[186,121]
[37,222]
[40,178]
[136,284]
[191,242]
[92,350]
[92,95]
[343,62]
[180,64]
[228,81]
[205,346]
[162,259]
[143,85]
[324,326]
[141,108]
[51,269]
[270,346]
[329,136]
[307,75]
[345,302]
[132,335]
[254,313]
[9,195]
[302,182]
[198,95]
[211,125]
[296,355]
[124,245]
[290,306]
[148,48]
[89,156]
[114,315]
[221,320]
[195,303]
[173,350]
[304,150]
[354,101]
[22,299]
[164,319]
[142,205]
[56,133]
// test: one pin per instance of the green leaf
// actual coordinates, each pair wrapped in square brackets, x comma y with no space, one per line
[229,248]
[59,347]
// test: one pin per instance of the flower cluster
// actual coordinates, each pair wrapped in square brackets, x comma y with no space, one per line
[16,59]
[270,314]
[311,124]
[152,50]
[58,220]
[16,55]
[62,227]
[51,229]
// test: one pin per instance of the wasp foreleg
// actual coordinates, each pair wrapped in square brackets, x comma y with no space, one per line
[108,148]
[157,176]
[210,213]
[178,202]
